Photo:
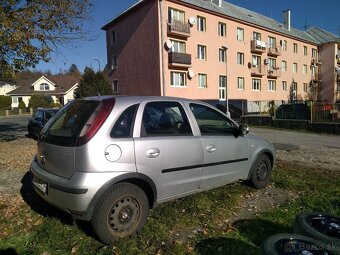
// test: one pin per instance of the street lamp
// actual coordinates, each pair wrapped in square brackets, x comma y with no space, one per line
[225,48]
[96,59]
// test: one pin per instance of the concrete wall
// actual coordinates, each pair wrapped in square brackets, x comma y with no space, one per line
[328,83]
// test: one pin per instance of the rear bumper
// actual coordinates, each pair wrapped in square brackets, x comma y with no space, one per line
[73,195]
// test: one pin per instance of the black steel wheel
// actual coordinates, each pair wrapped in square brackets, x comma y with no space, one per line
[320,226]
[122,211]
[261,172]
[291,244]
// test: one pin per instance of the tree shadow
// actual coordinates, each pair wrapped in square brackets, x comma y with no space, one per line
[10,131]
[38,205]
[9,251]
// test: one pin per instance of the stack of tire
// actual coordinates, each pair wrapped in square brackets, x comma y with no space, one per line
[315,233]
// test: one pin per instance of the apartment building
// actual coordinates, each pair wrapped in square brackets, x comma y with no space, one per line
[215,51]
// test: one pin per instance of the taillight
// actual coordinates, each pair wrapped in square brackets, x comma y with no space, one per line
[95,121]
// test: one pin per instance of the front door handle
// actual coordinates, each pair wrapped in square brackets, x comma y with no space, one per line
[210,148]
[152,153]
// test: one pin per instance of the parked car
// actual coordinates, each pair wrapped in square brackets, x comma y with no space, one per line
[38,120]
[109,160]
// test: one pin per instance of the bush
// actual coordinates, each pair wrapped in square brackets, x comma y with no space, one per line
[40,101]
[22,105]
[56,105]
[5,102]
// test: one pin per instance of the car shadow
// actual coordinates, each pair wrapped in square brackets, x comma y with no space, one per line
[37,204]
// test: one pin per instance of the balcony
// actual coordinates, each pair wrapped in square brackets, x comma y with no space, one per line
[257,71]
[273,72]
[315,61]
[179,59]
[258,46]
[179,28]
[274,50]
[316,77]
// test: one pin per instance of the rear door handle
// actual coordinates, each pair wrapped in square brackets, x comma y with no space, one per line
[210,148]
[152,153]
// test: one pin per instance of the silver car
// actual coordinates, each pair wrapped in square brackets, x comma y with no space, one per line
[109,159]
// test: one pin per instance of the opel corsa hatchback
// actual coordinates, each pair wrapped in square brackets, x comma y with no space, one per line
[109,160]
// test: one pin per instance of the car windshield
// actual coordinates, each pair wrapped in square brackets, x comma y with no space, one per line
[66,126]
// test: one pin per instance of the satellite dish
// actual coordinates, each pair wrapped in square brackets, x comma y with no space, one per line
[169,44]
[192,20]
[191,73]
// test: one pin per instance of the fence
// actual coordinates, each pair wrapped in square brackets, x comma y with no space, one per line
[317,112]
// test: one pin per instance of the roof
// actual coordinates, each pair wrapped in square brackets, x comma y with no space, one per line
[322,36]
[63,84]
[4,83]
[234,12]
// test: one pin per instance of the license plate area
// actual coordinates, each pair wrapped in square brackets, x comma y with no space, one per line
[40,185]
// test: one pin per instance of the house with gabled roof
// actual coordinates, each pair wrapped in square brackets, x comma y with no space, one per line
[60,87]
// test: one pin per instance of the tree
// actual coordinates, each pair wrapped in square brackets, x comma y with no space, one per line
[22,105]
[74,70]
[31,30]
[93,84]
[5,102]
[38,100]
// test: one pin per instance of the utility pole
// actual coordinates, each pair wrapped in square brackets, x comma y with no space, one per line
[96,59]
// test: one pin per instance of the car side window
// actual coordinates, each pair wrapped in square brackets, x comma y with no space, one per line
[210,121]
[123,127]
[165,119]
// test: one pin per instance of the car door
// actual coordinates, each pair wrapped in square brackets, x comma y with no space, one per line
[226,156]
[166,149]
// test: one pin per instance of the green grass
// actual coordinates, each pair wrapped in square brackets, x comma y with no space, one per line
[203,217]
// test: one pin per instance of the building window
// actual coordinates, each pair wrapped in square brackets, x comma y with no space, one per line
[115,87]
[284,85]
[222,29]
[240,83]
[14,100]
[201,52]
[295,67]
[44,86]
[256,84]
[113,37]
[271,64]
[284,45]
[222,53]
[271,42]
[304,70]
[177,15]
[202,80]
[201,24]
[305,87]
[312,70]
[284,66]
[240,58]
[114,62]
[256,61]
[305,52]
[295,48]
[178,46]
[240,34]
[178,79]
[271,85]
[222,87]
[314,53]
[257,36]
[294,90]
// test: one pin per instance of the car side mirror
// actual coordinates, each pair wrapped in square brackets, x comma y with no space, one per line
[243,129]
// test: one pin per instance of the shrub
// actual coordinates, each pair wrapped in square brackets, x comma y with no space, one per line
[22,105]
[40,101]
[5,102]
[56,105]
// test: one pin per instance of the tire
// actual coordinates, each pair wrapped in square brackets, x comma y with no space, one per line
[321,226]
[121,211]
[286,244]
[261,172]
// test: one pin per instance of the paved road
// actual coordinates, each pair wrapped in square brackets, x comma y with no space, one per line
[298,138]
[13,127]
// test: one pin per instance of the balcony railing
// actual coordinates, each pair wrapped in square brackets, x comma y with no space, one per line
[257,71]
[179,28]
[315,61]
[273,72]
[258,46]
[316,77]
[274,50]
[179,59]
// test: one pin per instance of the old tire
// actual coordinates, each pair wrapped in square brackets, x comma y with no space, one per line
[321,226]
[121,211]
[261,172]
[291,244]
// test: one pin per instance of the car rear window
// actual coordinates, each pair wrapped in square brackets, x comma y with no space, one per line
[66,126]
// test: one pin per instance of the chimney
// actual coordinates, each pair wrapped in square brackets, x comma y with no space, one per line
[286,19]
[217,2]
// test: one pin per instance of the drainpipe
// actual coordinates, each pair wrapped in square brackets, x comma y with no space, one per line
[162,45]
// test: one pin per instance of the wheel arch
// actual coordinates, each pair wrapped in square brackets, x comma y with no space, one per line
[142,181]
[262,152]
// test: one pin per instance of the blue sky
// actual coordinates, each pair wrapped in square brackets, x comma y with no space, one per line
[323,14]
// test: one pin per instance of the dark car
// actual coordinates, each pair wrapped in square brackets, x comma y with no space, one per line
[38,121]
